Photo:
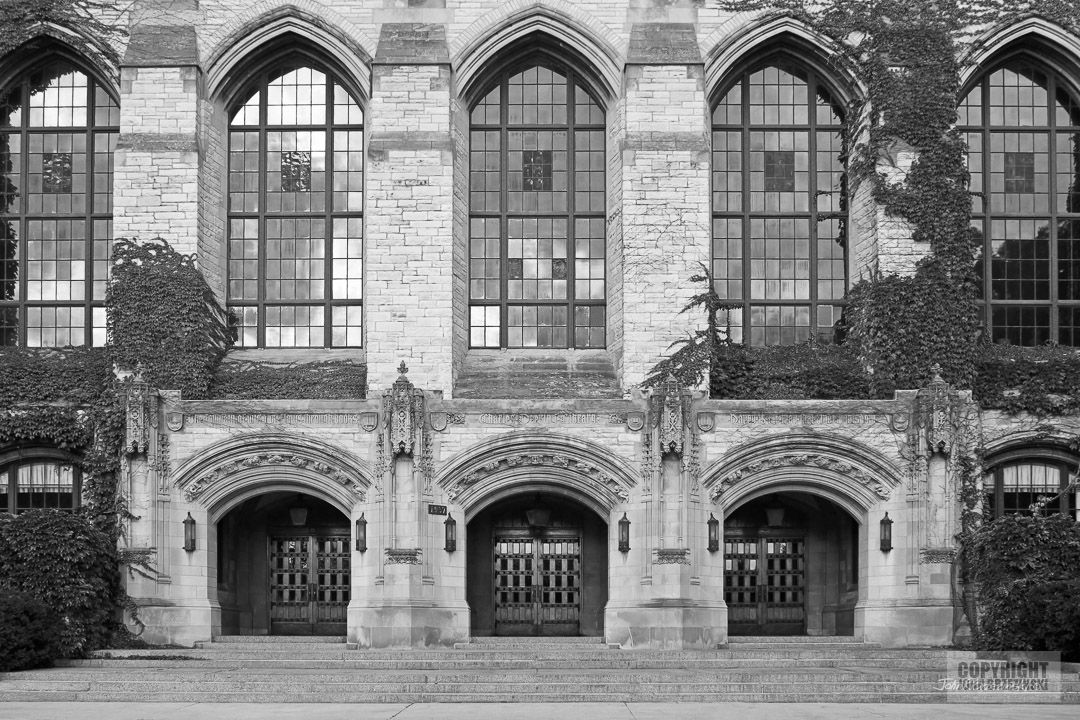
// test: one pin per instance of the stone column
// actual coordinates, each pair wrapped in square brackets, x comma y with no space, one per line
[665,190]
[408,279]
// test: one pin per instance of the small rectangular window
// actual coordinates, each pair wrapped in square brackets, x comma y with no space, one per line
[56,173]
[536,170]
[295,171]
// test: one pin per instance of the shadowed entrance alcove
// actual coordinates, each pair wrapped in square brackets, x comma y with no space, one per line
[283,566]
[791,566]
[537,565]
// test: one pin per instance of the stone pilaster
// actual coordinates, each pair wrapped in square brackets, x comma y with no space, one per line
[409,219]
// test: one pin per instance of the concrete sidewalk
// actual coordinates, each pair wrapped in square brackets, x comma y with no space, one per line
[523,711]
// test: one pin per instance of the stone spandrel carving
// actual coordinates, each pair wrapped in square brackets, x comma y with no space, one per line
[825,462]
[219,473]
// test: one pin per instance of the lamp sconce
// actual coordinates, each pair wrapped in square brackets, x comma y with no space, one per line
[361,533]
[714,533]
[624,534]
[450,526]
[886,533]
[189,533]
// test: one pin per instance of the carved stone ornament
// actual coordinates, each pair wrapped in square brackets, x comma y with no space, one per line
[404,406]
[669,407]
[439,421]
[174,421]
[138,426]
[456,418]
[635,420]
[548,459]
[706,421]
[937,556]
[404,556]
[369,421]
[673,556]
[936,410]
[219,473]
[825,462]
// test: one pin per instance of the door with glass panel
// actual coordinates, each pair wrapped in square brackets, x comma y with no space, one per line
[764,584]
[537,584]
[309,584]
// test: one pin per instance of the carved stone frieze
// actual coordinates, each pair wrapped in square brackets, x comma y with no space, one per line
[404,556]
[672,556]
[825,462]
[538,459]
[936,556]
[219,473]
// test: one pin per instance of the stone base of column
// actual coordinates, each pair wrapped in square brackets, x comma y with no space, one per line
[666,625]
[905,624]
[182,624]
[404,624]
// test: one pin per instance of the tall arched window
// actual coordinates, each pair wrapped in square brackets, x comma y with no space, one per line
[537,241]
[1022,127]
[296,160]
[58,129]
[778,197]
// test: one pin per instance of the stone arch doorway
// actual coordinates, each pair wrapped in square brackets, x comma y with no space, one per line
[283,566]
[537,565]
[793,562]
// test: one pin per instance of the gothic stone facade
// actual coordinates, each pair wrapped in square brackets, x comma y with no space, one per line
[516,194]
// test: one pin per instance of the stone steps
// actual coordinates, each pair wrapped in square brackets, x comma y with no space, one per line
[263,670]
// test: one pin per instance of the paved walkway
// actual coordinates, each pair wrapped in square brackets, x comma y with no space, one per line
[523,711]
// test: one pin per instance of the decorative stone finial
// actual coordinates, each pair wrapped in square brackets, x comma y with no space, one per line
[935,371]
[402,368]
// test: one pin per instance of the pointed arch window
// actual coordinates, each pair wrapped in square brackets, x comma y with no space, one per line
[779,204]
[537,238]
[296,161]
[1021,122]
[58,130]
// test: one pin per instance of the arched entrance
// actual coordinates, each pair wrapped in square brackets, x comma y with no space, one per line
[283,566]
[537,565]
[791,566]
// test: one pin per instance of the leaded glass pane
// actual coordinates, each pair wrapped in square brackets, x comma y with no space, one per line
[296,149]
[537,198]
[1021,132]
[57,137]
[778,194]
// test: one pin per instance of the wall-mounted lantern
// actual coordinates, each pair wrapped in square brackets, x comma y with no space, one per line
[886,533]
[361,533]
[451,533]
[714,533]
[189,533]
[624,534]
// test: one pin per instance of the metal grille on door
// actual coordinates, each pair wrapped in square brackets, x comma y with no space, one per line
[764,584]
[309,583]
[537,585]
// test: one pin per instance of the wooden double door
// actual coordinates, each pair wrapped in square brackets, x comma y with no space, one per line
[537,584]
[765,584]
[309,582]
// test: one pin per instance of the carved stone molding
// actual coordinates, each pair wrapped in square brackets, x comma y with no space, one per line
[937,556]
[219,473]
[404,556]
[540,459]
[824,462]
[672,556]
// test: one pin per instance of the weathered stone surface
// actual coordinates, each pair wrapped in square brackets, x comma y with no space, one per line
[412,44]
[663,44]
[162,46]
